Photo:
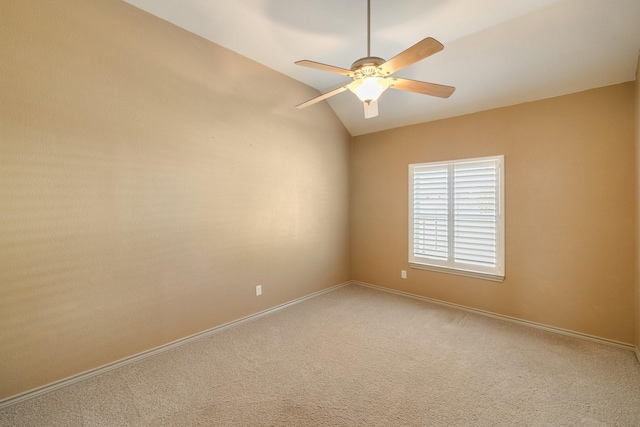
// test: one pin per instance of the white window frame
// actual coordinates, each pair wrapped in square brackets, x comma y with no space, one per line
[447,263]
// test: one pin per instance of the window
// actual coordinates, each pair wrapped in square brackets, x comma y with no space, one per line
[456,217]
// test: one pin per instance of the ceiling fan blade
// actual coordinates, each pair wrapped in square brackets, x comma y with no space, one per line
[370,109]
[323,96]
[325,67]
[425,88]
[415,53]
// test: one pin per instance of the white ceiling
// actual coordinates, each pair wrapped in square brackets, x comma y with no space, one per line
[497,52]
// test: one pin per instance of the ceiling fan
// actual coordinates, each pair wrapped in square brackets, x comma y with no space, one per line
[372,75]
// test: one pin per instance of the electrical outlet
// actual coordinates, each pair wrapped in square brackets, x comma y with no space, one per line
[258,290]
[403,274]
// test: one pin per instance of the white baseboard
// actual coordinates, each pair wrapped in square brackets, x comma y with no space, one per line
[145,354]
[544,327]
[149,353]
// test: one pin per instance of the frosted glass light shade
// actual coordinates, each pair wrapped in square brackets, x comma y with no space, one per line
[369,88]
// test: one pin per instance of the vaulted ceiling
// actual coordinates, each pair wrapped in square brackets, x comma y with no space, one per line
[497,52]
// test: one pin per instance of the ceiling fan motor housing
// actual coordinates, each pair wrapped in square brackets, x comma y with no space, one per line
[367,67]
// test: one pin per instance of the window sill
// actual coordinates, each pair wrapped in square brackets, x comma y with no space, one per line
[467,273]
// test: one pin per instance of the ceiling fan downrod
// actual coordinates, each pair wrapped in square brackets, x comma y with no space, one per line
[368,28]
[367,66]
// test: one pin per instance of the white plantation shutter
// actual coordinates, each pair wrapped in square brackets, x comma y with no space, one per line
[456,217]
[431,212]
[475,211]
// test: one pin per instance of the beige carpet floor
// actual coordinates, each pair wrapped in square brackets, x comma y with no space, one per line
[359,357]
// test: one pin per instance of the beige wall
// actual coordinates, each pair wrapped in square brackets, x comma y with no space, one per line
[637,85]
[149,180]
[570,209]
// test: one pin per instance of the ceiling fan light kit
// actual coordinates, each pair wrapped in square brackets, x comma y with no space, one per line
[372,75]
[369,89]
